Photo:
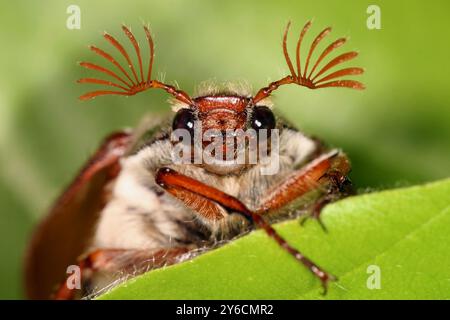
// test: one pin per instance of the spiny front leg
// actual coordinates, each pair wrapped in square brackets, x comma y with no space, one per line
[327,174]
[115,261]
[178,184]
[211,213]
[335,187]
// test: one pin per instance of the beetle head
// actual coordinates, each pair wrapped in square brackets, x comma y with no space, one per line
[216,112]
[226,128]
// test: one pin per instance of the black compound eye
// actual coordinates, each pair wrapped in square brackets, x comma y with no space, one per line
[184,119]
[262,118]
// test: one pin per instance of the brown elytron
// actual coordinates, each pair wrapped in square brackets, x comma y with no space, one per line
[326,172]
[309,79]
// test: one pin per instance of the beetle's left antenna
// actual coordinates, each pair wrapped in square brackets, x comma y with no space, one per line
[129,84]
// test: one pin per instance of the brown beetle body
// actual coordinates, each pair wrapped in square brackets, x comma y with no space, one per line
[134,208]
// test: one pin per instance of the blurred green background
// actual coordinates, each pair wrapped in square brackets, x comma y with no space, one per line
[397,131]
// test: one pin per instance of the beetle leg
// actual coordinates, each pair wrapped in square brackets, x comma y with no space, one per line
[208,209]
[327,174]
[339,187]
[119,260]
[169,179]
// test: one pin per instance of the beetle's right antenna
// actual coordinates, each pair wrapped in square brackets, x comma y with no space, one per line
[131,84]
[311,79]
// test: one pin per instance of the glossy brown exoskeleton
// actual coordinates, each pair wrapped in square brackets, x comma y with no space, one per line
[133,208]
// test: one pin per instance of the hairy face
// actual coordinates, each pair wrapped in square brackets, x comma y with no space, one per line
[228,131]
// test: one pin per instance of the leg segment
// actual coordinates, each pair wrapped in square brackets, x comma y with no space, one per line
[62,236]
[206,208]
[171,180]
[336,186]
[327,174]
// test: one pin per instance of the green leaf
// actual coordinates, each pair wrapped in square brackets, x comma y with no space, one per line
[404,232]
